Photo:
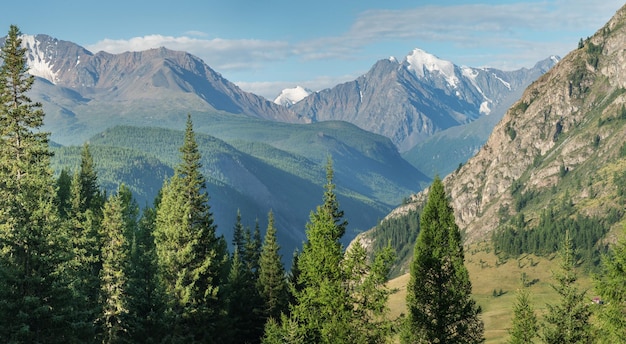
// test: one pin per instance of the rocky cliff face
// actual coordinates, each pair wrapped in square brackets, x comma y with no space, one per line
[562,142]
[411,100]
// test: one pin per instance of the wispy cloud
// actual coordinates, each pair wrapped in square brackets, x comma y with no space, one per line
[504,27]
[221,54]
[506,36]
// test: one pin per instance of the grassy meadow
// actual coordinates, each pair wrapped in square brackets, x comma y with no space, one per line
[489,274]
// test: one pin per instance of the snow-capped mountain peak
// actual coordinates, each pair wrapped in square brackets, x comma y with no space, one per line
[290,96]
[421,62]
[38,63]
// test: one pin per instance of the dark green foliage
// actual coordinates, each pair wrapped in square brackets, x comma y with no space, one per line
[333,301]
[114,273]
[35,302]
[63,185]
[244,304]
[510,130]
[190,255]
[398,231]
[272,282]
[568,320]
[440,307]
[525,327]
[515,238]
[610,284]
[146,302]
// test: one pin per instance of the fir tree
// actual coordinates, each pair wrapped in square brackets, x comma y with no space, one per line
[63,185]
[365,283]
[611,286]
[322,306]
[146,297]
[191,257]
[35,302]
[568,321]
[272,283]
[525,327]
[440,307]
[113,276]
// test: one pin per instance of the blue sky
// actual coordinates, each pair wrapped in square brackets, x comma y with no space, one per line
[267,45]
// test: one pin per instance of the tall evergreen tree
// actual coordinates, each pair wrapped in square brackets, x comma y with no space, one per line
[568,321]
[114,273]
[365,283]
[35,302]
[191,257]
[525,327]
[146,303]
[440,307]
[322,306]
[63,185]
[611,286]
[272,283]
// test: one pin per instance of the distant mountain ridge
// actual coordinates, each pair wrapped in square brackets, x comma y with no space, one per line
[132,86]
[411,100]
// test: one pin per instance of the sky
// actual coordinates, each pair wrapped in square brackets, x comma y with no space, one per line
[264,46]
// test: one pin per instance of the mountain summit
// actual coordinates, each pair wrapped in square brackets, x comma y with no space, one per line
[131,88]
[411,100]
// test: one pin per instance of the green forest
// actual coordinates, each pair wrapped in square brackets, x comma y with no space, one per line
[81,265]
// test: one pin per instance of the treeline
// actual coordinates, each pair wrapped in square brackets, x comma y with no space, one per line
[399,232]
[547,235]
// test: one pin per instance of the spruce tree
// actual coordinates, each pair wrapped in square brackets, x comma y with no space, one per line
[440,307]
[191,257]
[611,286]
[322,306]
[35,302]
[146,303]
[272,283]
[568,321]
[114,274]
[525,327]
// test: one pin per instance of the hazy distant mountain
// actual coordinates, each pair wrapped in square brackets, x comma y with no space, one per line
[290,96]
[87,92]
[411,100]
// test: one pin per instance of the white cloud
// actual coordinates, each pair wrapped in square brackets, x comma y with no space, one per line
[220,54]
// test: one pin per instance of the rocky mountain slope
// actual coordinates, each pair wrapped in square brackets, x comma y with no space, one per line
[83,90]
[413,99]
[561,146]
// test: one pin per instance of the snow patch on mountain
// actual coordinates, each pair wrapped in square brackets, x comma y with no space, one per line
[506,84]
[290,96]
[37,63]
[421,62]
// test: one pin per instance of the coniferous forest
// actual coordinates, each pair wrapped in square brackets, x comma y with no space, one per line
[79,265]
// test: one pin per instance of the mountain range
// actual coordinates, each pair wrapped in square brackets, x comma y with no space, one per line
[260,155]
[557,157]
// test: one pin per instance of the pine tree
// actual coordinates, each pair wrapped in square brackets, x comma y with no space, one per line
[440,307]
[322,305]
[568,321]
[272,284]
[146,303]
[365,283]
[35,302]
[525,327]
[113,276]
[611,286]
[83,223]
[63,185]
[191,257]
